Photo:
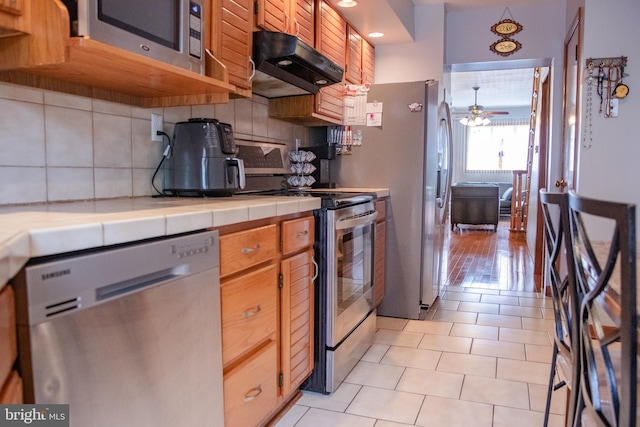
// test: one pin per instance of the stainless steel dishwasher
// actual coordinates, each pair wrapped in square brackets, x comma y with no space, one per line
[128,336]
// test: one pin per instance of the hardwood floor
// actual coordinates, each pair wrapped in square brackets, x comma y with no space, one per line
[478,257]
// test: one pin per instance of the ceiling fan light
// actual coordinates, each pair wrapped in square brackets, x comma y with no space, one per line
[464,121]
[485,121]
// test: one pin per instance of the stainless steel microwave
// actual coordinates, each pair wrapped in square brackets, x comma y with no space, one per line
[170,31]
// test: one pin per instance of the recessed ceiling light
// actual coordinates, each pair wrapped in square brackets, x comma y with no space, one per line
[347,3]
[376,34]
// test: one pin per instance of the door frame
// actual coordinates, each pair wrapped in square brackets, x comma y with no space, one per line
[571,98]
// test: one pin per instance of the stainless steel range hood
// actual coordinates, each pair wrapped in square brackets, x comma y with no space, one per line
[286,66]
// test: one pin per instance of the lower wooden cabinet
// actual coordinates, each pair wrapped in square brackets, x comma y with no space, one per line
[10,382]
[379,253]
[297,320]
[267,302]
[251,389]
[11,391]
[249,316]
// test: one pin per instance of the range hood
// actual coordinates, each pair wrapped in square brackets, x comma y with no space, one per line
[286,66]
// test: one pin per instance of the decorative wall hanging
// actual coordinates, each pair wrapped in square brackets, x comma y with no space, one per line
[505,47]
[506,28]
[607,75]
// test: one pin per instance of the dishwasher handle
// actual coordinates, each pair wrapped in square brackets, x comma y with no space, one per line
[122,288]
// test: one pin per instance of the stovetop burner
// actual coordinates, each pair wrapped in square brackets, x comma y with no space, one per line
[329,199]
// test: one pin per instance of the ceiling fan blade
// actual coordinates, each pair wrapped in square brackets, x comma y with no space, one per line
[495,112]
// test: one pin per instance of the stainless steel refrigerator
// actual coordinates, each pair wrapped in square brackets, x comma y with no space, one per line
[410,153]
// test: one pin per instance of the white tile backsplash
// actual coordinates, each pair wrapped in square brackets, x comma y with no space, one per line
[59,147]
[70,183]
[113,182]
[20,93]
[22,133]
[68,137]
[69,101]
[111,141]
[23,184]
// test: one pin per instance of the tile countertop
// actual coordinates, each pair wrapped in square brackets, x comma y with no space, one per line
[47,229]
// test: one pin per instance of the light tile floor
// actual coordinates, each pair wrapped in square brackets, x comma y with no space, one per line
[479,359]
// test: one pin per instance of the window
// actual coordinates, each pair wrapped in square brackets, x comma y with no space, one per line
[497,147]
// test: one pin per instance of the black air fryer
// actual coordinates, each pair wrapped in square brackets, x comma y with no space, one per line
[203,160]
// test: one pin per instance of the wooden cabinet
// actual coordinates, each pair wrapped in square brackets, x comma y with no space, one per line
[249,304]
[12,18]
[297,304]
[331,30]
[232,39]
[360,58]
[368,62]
[379,252]
[48,58]
[297,234]
[10,382]
[267,316]
[303,12]
[249,316]
[250,389]
[353,69]
[288,16]
[245,249]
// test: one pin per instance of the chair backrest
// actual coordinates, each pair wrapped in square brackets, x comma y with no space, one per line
[561,276]
[605,269]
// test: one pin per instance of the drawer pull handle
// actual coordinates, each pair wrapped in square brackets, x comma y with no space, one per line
[302,234]
[253,312]
[252,394]
[250,250]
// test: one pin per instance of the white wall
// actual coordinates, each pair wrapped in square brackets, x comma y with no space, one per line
[469,33]
[422,60]
[610,168]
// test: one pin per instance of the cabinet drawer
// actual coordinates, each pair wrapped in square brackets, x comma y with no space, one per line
[247,248]
[297,234]
[8,343]
[249,316]
[251,389]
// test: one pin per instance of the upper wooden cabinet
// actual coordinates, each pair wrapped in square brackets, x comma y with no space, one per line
[12,18]
[288,16]
[353,69]
[368,62]
[303,12]
[48,58]
[331,33]
[232,39]
[360,58]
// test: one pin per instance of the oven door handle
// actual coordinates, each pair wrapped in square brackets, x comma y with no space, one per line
[358,221]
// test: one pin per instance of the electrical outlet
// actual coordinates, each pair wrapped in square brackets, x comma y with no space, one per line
[156,125]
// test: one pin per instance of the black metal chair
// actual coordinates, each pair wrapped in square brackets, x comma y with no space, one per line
[565,298]
[603,239]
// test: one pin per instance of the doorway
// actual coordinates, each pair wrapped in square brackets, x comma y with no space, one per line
[507,94]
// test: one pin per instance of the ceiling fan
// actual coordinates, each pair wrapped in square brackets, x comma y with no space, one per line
[476,115]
